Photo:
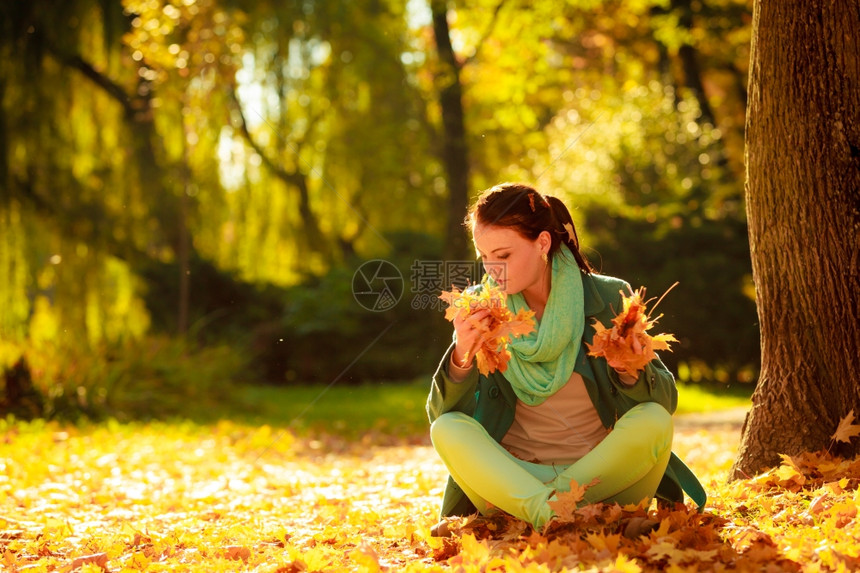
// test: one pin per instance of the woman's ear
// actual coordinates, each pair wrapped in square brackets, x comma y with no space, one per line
[544,241]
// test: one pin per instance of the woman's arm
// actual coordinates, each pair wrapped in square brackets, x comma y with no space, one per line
[452,389]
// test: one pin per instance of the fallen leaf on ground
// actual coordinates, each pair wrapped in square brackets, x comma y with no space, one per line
[142,496]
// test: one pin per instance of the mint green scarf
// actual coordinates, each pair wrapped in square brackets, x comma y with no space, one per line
[542,362]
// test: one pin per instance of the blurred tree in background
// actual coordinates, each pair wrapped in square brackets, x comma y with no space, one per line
[196,181]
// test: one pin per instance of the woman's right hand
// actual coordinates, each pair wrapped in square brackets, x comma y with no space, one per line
[470,331]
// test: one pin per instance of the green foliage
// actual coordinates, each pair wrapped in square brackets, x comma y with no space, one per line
[711,398]
[265,150]
[221,307]
[678,217]
[326,333]
[155,377]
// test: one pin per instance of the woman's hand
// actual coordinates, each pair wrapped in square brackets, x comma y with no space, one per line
[626,378]
[470,331]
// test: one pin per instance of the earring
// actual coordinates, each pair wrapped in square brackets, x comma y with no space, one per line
[545,258]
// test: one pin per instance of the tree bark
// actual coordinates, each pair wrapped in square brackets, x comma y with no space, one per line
[455,148]
[803,206]
[4,146]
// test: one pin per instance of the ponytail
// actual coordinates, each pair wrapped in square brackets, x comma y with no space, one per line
[567,231]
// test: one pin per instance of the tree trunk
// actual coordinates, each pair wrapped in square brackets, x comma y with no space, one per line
[183,255]
[803,206]
[455,149]
[4,147]
[689,57]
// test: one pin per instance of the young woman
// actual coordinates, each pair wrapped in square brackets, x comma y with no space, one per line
[512,441]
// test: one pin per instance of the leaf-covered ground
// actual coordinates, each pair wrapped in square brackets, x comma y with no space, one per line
[228,497]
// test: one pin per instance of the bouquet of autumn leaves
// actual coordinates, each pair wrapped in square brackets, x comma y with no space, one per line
[492,354]
[627,346]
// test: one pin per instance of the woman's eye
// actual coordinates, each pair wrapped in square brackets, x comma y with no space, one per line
[503,257]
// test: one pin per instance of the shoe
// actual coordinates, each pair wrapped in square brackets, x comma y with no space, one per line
[440,530]
[480,525]
[639,526]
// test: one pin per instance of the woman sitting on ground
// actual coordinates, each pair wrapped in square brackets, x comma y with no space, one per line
[512,441]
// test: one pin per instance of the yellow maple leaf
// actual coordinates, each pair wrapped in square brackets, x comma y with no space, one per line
[665,548]
[846,429]
[663,529]
[366,557]
[789,473]
[474,549]
[492,354]
[604,542]
[624,564]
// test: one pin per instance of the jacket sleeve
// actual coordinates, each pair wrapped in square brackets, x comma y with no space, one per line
[448,396]
[655,384]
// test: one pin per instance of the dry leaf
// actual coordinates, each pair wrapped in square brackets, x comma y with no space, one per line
[366,505]
[237,552]
[571,233]
[97,559]
[627,346]
[846,429]
[567,502]
[366,557]
[493,354]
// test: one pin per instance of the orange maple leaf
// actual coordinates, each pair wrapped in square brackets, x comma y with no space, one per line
[567,502]
[627,346]
[492,354]
[846,429]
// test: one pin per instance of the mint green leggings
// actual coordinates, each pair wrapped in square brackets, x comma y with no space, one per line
[629,464]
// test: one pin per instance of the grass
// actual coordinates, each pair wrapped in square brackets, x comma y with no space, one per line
[350,411]
[396,407]
[705,398]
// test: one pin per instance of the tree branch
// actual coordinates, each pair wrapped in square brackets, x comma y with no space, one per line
[291,177]
[313,234]
[490,26]
[110,87]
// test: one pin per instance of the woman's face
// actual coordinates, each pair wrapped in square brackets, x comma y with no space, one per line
[514,261]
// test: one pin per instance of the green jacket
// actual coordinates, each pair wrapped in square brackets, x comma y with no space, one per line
[491,400]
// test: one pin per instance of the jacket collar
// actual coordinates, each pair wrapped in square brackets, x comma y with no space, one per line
[593,303]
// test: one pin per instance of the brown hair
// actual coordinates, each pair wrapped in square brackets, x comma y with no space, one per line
[520,207]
